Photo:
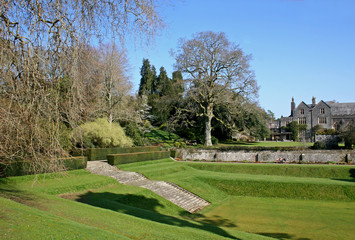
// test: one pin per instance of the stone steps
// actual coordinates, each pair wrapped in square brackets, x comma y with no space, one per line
[170,191]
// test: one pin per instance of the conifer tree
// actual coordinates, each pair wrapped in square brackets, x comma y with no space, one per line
[147,78]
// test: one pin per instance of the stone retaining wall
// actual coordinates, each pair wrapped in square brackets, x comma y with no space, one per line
[305,156]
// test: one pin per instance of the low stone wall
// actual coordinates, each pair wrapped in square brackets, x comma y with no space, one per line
[305,156]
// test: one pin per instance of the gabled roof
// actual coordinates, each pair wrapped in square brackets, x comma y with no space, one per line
[307,105]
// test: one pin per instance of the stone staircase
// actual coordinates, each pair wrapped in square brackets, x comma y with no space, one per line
[170,191]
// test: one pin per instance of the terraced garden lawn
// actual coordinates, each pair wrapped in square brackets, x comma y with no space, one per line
[249,201]
[80,205]
[280,201]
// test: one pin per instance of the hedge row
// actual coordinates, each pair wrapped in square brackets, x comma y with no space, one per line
[101,153]
[21,168]
[115,159]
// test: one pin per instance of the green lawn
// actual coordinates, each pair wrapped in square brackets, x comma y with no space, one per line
[248,201]
[95,207]
[281,201]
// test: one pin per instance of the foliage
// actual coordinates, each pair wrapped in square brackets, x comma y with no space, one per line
[162,93]
[326,132]
[319,145]
[252,119]
[147,79]
[214,140]
[132,131]
[161,136]
[348,134]
[51,76]
[101,133]
[217,71]
[295,129]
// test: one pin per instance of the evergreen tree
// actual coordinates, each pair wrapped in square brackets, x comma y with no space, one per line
[148,76]
[165,84]
[178,83]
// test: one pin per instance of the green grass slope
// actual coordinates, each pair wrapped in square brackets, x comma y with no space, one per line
[280,201]
[214,181]
[95,207]
[18,221]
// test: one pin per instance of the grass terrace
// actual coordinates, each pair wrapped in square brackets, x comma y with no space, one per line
[248,201]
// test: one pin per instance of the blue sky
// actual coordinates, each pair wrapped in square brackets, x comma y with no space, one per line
[300,48]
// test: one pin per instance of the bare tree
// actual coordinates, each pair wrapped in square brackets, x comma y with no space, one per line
[43,75]
[216,72]
[115,86]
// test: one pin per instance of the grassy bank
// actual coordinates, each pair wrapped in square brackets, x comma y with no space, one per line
[314,171]
[280,201]
[248,201]
[95,207]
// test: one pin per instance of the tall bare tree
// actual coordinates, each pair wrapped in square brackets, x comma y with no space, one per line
[42,72]
[115,86]
[216,72]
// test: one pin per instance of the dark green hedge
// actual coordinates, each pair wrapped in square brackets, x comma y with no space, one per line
[101,153]
[21,168]
[115,159]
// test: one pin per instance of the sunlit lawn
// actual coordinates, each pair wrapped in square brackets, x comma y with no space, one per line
[248,201]
[288,218]
[297,207]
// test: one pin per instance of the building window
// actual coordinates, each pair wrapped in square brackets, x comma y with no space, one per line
[322,120]
[302,111]
[302,120]
[322,111]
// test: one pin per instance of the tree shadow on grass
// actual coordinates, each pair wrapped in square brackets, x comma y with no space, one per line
[9,190]
[352,173]
[352,176]
[281,236]
[215,220]
[145,208]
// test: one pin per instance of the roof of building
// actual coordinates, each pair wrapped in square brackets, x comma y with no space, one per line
[342,108]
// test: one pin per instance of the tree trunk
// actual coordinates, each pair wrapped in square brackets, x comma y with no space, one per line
[208,119]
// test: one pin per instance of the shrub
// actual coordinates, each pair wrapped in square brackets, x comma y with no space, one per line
[179,144]
[214,140]
[319,145]
[101,133]
[133,132]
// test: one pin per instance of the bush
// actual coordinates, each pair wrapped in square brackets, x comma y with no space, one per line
[133,132]
[102,134]
[179,144]
[214,140]
[319,145]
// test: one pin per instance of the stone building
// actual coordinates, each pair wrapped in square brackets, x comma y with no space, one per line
[328,115]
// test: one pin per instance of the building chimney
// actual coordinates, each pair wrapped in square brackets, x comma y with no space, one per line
[293,106]
[314,101]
